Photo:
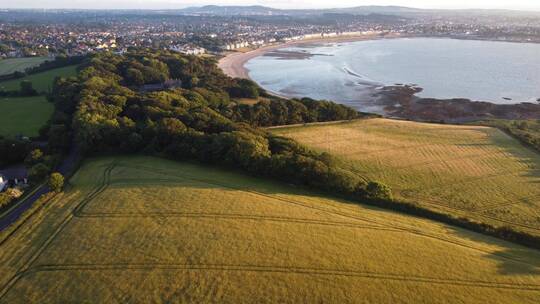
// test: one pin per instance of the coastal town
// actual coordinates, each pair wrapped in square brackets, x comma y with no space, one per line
[39,33]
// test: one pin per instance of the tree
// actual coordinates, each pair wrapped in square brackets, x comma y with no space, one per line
[134,77]
[38,172]
[56,182]
[378,190]
[59,138]
[27,88]
[245,88]
[34,157]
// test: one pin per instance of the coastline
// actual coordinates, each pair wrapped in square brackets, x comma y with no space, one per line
[397,101]
[233,64]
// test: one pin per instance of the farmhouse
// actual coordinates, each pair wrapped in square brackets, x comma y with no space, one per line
[3,183]
[168,84]
[13,176]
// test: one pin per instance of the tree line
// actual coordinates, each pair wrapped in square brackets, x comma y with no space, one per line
[197,121]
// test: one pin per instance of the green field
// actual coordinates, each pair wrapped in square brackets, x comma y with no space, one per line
[146,230]
[42,82]
[24,115]
[11,65]
[470,171]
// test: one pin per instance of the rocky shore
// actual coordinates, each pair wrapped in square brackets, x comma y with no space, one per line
[401,101]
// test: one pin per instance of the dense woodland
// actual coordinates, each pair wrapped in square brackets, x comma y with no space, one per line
[109,110]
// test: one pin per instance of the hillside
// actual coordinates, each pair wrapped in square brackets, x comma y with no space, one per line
[467,171]
[139,229]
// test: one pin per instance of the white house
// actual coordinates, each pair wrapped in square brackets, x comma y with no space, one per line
[188,49]
[3,183]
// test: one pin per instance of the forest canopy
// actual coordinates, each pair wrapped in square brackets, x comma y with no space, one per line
[124,104]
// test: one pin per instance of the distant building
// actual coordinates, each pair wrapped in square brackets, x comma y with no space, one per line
[168,84]
[188,49]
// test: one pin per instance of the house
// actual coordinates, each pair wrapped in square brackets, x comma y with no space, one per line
[13,176]
[168,84]
[188,49]
[3,183]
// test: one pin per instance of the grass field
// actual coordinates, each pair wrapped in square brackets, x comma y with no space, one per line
[476,172]
[11,65]
[42,82]
[146,230]
[23,115]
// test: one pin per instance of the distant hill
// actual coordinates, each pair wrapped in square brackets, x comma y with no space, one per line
[263,10]
[377,9]
[232,10]
[358,10]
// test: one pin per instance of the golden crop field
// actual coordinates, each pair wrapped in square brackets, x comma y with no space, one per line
[147,230]
[471,171]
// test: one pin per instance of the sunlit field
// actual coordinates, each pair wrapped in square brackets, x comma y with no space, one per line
[42,82]
[24,115]
[476,172]
[140,230]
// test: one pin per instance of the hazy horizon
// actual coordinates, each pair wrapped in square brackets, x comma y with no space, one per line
[529,5]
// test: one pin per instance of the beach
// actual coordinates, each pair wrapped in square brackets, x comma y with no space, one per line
[233,64]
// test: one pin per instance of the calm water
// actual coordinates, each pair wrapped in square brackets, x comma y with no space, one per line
[444,68]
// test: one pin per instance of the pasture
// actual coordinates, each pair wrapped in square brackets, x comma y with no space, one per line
[11,65]
[42,82]
[470,171]
[24,115]
[147,230]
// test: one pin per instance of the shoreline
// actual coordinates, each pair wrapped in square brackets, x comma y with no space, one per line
[233,64]
[397,101]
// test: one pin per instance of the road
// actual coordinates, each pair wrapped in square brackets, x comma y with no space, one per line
[65,168]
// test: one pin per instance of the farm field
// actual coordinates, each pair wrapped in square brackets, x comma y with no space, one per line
[11,65]
[24,115]
[141,229]
[471,171]
[42,82]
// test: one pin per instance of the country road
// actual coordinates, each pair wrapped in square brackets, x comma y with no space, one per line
[65,168]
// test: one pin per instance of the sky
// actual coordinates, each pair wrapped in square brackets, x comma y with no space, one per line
[170,4]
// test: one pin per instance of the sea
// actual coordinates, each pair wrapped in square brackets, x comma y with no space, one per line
[351,72]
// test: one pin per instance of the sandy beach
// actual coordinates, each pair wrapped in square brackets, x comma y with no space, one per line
[233,64]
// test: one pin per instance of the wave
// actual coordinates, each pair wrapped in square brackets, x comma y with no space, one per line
[364,80]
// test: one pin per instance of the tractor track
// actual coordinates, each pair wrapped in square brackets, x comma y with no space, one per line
[77,212]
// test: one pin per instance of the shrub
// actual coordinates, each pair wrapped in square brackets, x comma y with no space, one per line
[14,193]
[5,199]
[38,172]
[34,157]
[27,88]
[56,182]
[377,190]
